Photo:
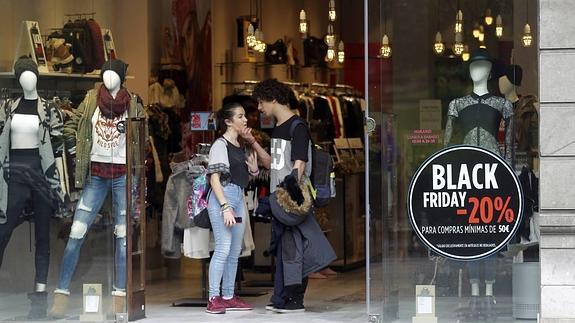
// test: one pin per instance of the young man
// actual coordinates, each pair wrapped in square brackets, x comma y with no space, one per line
[287,153]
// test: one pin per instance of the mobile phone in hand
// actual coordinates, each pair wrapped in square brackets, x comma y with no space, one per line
[238,219]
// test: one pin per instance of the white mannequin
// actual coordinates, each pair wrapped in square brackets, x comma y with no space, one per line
[508,89]
[479,72]
[112,82]
[28,81]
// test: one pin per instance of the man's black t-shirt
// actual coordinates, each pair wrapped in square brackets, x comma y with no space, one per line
[300,140]
[285,150]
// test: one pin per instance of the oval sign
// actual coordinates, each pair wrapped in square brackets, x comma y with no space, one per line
[465,202]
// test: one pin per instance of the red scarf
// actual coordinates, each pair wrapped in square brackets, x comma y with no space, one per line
[112,108]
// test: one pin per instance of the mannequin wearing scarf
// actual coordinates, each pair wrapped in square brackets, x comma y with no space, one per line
[98,133]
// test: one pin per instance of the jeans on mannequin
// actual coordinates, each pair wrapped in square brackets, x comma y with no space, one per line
[91,201]
[19,195]
[224,263]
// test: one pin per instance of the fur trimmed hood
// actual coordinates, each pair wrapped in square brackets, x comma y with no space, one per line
[286,210]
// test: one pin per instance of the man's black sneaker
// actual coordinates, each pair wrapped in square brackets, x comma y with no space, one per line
[289,308]
[270,307]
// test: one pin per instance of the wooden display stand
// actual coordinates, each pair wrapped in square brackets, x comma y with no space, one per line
[30,44]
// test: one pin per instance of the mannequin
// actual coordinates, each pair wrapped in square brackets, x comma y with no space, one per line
[27,182]
[526,116]
[480,114]
[98,133]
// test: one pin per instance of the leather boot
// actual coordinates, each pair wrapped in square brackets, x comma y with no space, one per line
[38,305]
[60,306]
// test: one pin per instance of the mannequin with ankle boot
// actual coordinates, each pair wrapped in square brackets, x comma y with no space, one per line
[479,114]
[97,136]
[30,138]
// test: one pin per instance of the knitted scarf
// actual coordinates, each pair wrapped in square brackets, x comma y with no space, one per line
[112,108]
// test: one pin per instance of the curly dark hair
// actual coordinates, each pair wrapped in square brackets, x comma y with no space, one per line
[272,89]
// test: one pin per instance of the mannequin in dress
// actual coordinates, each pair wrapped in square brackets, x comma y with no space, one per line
[479,115]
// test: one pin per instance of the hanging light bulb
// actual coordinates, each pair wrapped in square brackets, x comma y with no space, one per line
[385,50]
[330,54]
[465,55]
[488,17]
[302,23]
[498,26]
[331,12]
[482,45]
[459,21]
[262,42]
[476,30]
[438,46]
[458,46]
[481,36]
[251,37]
[527,38]
[330,37]
[340,52]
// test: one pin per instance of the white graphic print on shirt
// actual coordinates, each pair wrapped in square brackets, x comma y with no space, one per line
[109,144]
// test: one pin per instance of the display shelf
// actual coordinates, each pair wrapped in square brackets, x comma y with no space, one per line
[63,75]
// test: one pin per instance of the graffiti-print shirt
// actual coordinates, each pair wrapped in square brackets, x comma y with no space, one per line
[109,144]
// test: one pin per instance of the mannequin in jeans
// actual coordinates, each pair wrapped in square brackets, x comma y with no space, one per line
[107,171]
[481,132]
[24,122]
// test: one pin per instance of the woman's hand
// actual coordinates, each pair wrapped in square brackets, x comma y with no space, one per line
[252,162]
[229,217]
[246,133]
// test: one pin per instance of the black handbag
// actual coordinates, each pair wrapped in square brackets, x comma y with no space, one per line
[202,220]
[314,50]
[276,53]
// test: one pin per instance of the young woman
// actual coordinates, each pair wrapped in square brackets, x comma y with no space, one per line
[229,170]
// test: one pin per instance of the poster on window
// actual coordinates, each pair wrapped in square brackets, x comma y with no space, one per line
[201,121]
[465,203]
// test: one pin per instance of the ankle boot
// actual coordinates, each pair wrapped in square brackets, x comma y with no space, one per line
[38,305]
[60,306]
[119,304]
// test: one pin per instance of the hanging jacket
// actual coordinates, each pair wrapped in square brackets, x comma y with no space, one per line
[304,247]
[526,124]
[51,144]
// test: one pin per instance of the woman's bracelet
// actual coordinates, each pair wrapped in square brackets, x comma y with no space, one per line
[224,205]
[257,171]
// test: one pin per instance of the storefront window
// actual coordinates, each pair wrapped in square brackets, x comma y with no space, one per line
[63,193]
[437,59]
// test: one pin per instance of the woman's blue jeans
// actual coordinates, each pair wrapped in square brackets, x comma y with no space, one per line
[224,263]
[93,196]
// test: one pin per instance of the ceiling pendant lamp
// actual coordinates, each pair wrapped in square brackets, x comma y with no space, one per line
[340,52]
[438,46]
[488,17]
[498,26]
[331,13]
[302,23]
[527,38]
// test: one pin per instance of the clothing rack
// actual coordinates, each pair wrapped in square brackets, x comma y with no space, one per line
[80,15]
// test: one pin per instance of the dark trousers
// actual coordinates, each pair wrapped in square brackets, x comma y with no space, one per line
[19,195]
[283,295]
